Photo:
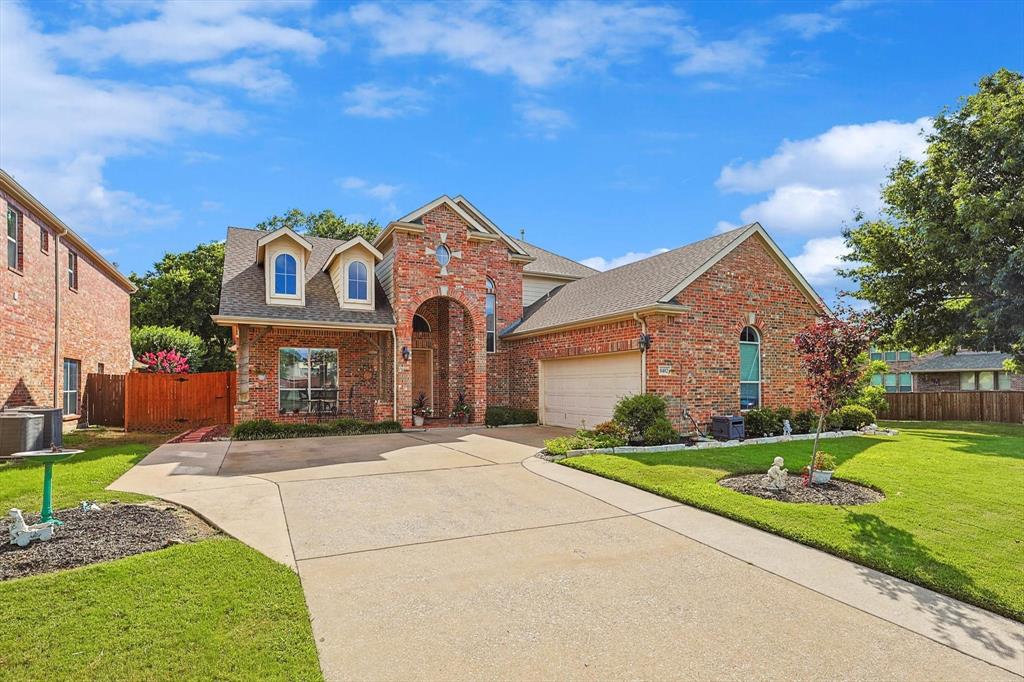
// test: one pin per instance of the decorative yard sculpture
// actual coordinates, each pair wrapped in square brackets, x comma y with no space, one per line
[22,533]
[776,478]
[787,428]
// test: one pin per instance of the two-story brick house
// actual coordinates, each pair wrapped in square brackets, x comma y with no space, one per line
[64,309]
[443,303]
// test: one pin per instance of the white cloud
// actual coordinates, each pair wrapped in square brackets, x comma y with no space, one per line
[725,57]
[817,183]
[376,101]
[820,258]
[190,32]
[809,25]
[194,156]
[378,190]
[546,122]
[601,263]
[535,43]
[256,76]
[58,133]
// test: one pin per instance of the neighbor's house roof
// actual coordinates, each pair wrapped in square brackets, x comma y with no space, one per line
[23,196]
[243,289]
[648,285]
[550,264]
[964,361]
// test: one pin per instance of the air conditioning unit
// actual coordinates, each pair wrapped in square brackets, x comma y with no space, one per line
[728,427]
[20,431]
[53,424]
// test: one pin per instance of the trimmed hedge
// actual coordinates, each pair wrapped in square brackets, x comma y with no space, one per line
[264,429]
[497,415]
[154,339]
[855,416]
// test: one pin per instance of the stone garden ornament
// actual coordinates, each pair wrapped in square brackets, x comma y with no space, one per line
[22,533]
[776,478]
[787,428]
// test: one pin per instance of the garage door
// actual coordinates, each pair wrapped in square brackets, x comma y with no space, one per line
[584,390]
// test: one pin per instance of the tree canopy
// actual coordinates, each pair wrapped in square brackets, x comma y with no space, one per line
[183,290]
[944,266]
[326,223]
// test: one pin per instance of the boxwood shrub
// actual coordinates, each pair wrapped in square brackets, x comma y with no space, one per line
[264,429]
[497,415]
[855,416]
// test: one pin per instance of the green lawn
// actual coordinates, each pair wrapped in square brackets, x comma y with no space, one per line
[215,609]
[952,520]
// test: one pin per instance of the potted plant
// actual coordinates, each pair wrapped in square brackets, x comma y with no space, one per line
[824,466]
[419,409]
[461,410]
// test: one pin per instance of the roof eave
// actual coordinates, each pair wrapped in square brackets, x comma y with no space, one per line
[231,320]
[653,309]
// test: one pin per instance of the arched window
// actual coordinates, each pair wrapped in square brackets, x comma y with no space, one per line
[420,324]
[750,368]
[285,279]
[357,281]
[489,310]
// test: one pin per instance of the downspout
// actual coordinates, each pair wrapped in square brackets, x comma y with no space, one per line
[394,375]
[56,315]
[643,354]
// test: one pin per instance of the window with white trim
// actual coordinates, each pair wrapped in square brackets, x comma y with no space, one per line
[750,368]
[358,281]
[307,379]
[72,270]
[15,251]
[286,279]
[490,302]
[72,372]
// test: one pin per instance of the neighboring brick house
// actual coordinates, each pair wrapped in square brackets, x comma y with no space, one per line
[444,303]
[51,274]
[964,371]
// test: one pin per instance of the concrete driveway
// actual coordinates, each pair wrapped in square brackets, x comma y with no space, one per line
[454,554]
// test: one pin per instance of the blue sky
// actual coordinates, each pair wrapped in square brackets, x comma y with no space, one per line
[605,130]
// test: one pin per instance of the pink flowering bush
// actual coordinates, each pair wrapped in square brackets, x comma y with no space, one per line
[165,362]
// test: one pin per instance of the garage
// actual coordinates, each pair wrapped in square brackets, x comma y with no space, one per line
[583,391]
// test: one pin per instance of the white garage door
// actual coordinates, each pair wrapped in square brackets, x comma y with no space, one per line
[584,390]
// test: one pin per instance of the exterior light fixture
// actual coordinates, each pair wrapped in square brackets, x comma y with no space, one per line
[646,341]
[406,353]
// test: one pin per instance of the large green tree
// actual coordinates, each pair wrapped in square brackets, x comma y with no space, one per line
[183,290]
[326,223]
[944,266]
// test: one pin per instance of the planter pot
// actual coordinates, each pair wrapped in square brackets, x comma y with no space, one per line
[417,420]
[821,476]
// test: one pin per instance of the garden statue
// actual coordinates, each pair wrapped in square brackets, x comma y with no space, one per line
[22,533]
[787,428]
[776,478]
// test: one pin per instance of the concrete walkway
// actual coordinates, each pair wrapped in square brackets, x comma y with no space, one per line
[455,554]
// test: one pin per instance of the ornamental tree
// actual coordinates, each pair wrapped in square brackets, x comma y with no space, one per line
[165,362]
[832,351]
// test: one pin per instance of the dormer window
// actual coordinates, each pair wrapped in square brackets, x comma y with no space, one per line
[285,277]
[357,281]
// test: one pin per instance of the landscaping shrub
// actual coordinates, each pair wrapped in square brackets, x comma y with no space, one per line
[854,416]
[660,433]
[784,413]
[498,416]
[824,461]
[582,440]
[873,398]
[153,339]
[637,412]
[264,429]
[761,421]
[612,428]
[833,422]
[804,421]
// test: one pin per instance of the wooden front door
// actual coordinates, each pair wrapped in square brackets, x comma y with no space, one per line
[423,374]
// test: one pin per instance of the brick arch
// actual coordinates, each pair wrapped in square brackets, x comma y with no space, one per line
[458,297]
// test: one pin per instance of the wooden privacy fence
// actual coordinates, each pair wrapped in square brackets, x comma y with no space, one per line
[168,402]
[104,399]
[978,406]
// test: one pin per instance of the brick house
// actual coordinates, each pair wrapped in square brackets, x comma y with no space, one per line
[64,309]
[964,371]
[443,303]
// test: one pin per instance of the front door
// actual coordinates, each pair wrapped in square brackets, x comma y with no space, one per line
[423,374]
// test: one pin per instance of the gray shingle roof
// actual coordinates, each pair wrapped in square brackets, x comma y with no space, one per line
[963,361]
[548,263]
[243,292]
[625,288]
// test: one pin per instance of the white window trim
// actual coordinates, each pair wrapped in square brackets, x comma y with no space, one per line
[273,279]
[760,396]
[273,251]
[369,281]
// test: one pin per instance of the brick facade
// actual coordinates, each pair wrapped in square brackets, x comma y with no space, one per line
[95,318]
[936,382]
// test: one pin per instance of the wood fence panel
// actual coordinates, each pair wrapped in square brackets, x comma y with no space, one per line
[104,399]
[978,406]
[168,402]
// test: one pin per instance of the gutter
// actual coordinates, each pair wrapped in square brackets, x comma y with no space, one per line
[57,369]
[394,375]
[657,308]
[643,354]
[229,320]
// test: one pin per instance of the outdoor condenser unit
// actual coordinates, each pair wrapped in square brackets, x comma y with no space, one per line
[20,431]
[728,427]
[53,424]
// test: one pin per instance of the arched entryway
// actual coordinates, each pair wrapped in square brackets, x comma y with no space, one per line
[446,358]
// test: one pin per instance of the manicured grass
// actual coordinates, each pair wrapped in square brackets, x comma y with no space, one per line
[215,609]
[108,454]
[952,519]
[211,610]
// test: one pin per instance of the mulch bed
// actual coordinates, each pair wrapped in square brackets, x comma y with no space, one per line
[113,532]
[835,492]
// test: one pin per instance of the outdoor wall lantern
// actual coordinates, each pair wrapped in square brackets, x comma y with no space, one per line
[646,341]
[406,353]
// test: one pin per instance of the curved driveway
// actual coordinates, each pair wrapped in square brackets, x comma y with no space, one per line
[444,555]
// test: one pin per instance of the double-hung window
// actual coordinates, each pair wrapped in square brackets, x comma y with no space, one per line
[750,368]
[14,237]
[308,379]
[357,281]
[72,270]
[71,383]
[490,302]
[285,275]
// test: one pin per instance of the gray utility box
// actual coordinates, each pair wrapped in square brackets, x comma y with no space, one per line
[53,424]
[20,432]
[727,427]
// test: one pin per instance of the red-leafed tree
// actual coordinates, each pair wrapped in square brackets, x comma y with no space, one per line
[832,351]
[165,362]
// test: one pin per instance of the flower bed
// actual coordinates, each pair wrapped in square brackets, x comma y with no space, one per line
[264,429]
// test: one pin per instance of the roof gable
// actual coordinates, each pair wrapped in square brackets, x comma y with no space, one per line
[281,233]
[355,242]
